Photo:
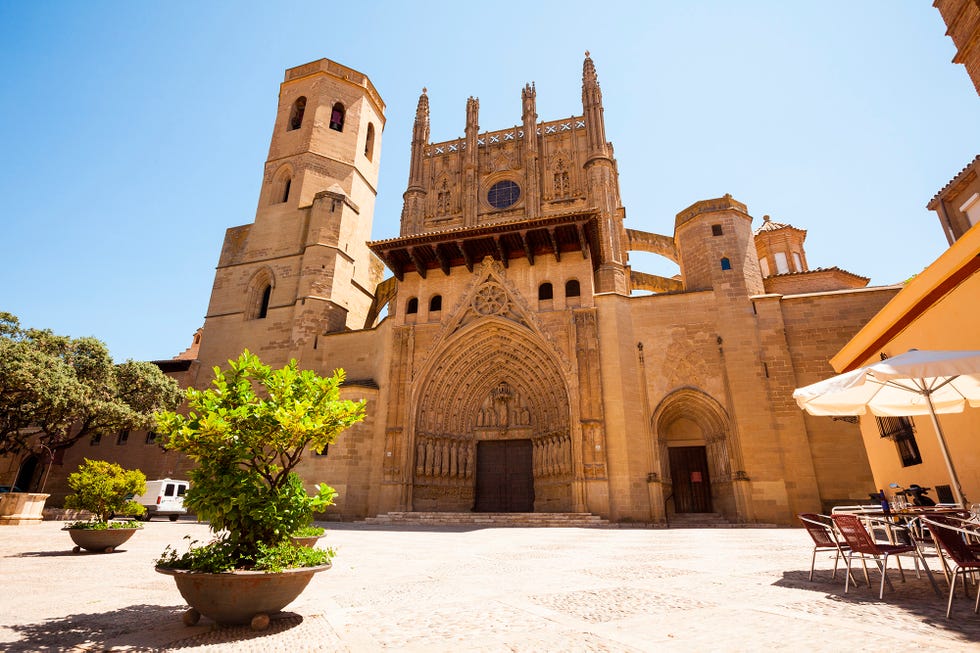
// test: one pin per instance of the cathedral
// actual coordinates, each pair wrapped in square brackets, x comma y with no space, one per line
[511,358]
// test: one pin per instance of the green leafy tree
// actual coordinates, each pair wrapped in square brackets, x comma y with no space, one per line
[103,489]
[56,390]
[247,432]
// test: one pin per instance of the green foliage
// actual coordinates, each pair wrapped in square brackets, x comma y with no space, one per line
[55,390]
[246,433]
[102,488]
[309,531]
[221,555]
[103,525]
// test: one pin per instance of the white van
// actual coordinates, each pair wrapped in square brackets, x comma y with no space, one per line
[163,497]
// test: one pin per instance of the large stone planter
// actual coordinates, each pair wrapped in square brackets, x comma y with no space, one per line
[18,508]
[103,541]
[240,597]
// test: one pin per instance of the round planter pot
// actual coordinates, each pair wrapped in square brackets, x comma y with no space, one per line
[240,597]
[306,541]
[104,541]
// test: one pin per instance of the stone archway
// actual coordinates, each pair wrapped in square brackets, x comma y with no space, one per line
[689,426]
[492,381]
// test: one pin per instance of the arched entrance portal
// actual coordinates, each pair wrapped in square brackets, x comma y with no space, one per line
[492,427]
[691,431]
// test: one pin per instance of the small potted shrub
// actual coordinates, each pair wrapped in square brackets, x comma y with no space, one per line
[247,433]
[103,489]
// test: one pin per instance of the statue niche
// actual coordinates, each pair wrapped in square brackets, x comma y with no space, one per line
[503,408]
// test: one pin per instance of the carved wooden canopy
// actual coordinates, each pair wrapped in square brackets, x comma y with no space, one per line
[556,234]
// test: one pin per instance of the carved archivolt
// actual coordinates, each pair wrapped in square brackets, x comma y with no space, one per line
[712,420]
[477,361]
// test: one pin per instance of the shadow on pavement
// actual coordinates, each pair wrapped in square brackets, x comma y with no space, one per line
[909,603]
[59,554]
[135,627]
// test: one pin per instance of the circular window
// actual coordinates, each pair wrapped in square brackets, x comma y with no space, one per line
[504,194]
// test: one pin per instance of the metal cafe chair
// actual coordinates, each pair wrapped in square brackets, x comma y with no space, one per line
[962,557]
[824,539]
[861,543]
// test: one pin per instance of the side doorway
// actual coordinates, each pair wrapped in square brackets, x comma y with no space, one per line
[689,476]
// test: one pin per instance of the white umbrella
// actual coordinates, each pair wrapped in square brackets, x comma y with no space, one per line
[913,383]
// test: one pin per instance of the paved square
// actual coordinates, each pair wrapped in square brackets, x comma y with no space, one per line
[499,589]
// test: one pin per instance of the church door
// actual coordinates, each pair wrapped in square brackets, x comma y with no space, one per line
[689,474]
[504,476]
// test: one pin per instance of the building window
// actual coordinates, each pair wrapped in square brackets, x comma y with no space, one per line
[337,117]
[280,186]
[123,437]
[413,306]
[716,230]
[503,194]
[545,291]
[96,440]
[782,266]
[435,304]
[369,143]
[572,288]
[797,261]
[296,115]
[764,266]
[264,304]
[259,295]
[726,264]
[900,430]
[971,208]
[322,452]
[151,437]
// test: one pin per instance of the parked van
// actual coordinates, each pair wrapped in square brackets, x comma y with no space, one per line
[163,497]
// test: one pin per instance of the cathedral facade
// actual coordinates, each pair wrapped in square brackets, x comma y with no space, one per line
[520,364]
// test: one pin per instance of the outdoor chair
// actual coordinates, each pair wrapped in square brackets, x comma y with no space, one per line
[860,543]
[824,539]
[950,541]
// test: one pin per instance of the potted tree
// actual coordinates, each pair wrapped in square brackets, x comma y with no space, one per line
[103,489]
[247,433]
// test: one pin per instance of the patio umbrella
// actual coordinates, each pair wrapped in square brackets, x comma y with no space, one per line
[913,383]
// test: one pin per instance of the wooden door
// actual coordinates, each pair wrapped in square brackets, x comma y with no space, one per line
[689,474]
[504,476]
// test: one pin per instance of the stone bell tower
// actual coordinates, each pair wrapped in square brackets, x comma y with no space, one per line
[302,268]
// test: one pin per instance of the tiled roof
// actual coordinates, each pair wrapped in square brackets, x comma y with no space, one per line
[769,225]
[959,175]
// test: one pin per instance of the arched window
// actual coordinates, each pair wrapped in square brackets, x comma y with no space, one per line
[726,264]
[296,115]
[413,306]
[435,304]
[572,288]
[545,291]
[281,183]
[264,303]
[259,295]
[337,117]
[369,143]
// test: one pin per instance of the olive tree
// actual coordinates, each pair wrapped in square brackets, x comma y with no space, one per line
[56,390]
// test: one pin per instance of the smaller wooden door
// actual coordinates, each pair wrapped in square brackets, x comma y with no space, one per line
[504,476]
[689,475]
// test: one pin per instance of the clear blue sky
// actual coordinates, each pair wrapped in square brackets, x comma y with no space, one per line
[134,133]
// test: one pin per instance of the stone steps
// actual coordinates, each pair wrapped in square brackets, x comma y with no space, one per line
[491,519]
[707,520]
